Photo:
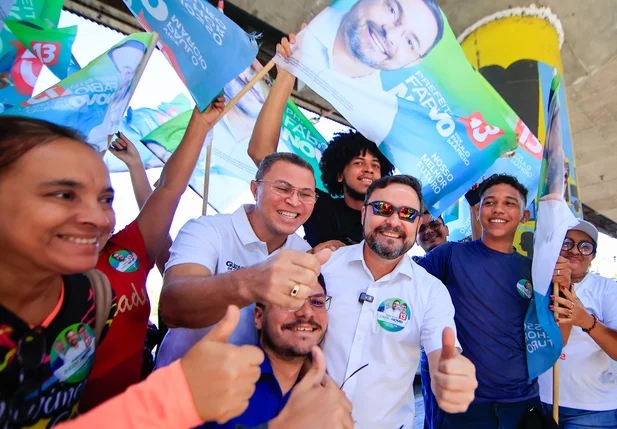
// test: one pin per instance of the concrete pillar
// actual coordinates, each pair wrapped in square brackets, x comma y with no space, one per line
[516,50]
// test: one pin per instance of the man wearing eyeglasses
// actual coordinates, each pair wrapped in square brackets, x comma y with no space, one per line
[252,255]
[432,233]
[287,337]
[374,354]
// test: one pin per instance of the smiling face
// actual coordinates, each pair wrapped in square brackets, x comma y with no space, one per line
[579,264]
[358,175]
[390,237]
[56,209]
[389,34]
[432,232]
[292,334]
[72,338]
[502,208]
[283,215]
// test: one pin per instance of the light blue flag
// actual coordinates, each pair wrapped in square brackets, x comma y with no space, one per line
[554,218]
[409,89]
[206,48]
[93,100]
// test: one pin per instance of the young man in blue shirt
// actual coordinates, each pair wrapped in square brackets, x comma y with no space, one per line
[287,338]
[482,278]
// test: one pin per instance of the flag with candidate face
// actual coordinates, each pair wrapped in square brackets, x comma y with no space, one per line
[205,48]
[395,71]
[554,218]
[94,99]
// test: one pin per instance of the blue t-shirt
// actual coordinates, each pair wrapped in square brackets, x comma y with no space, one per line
[487,290]
[265,404]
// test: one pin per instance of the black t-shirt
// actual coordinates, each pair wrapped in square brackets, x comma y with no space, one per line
[42,395]
[332,219]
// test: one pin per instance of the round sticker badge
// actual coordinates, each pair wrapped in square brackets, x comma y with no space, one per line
[525,289]
[72,353]
[393,314]
[124,261]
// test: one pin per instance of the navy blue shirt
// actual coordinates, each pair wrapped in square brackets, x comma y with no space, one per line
[487,290]
[265,404]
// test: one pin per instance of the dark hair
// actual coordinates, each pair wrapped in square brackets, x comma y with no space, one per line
[402,179]
[342,149]
[434,8]
[18,135]
[69,331]
[269,160]
[504,179]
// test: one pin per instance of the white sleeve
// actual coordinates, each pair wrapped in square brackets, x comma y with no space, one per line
[197,243]
[439,314]
[609,305]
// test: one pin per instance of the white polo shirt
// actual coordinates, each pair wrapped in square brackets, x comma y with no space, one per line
[221,243]
[389,341]
[586,379]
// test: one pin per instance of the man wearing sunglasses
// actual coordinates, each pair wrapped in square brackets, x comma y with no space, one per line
[252,255]
[587,393]
[432,233]
[483,278]
[374,354]
[348,166]
[287,337]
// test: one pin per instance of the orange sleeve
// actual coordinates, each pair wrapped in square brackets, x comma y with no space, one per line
[163,400]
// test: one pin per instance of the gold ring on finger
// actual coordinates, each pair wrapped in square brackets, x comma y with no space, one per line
[295,289]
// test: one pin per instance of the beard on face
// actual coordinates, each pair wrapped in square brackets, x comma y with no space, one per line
[384,250]
[353,194]
[288,350]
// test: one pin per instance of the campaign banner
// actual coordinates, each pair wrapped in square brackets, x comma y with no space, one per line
[138,123]
[554,218]
[20,68]
[231,169]
[205,48]
[94,99]
[5,9]
[401,79]
[52,47]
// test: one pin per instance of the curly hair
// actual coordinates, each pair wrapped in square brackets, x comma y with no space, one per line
[341,150]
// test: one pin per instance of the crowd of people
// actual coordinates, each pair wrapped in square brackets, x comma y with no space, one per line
[268,329]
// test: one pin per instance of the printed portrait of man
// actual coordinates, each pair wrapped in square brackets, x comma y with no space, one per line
[125,58]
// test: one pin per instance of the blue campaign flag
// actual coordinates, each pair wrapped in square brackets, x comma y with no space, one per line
[205,47]
[94,99]
[554,218]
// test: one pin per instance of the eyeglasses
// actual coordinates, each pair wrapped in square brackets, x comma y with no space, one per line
[585,247]
[286,190]
[434,224]
[319,303]
[382,208]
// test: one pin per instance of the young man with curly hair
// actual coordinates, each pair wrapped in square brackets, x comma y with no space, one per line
[348,166]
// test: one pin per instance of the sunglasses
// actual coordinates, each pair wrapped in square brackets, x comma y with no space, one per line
[434,224]
[584,247]
[382,208]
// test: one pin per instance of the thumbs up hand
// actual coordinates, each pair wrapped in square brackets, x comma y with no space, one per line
[315,402]
[222,376]
[453,376]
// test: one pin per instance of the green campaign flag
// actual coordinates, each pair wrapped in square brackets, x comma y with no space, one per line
[51,46]
[301,137]
[169,135]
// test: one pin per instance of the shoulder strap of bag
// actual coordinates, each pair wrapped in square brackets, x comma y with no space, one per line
[103,296]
